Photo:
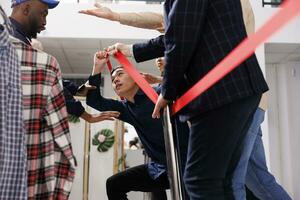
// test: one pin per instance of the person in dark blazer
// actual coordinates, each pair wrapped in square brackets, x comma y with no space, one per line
[199,34]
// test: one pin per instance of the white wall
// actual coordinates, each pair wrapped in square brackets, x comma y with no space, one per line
[77,138]
[294,97]
[284,116]
[101,165]
[290,127]
[273,121]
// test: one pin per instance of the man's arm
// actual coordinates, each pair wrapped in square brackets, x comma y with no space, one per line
[74,107]
[151,49]
[183,30]
[183,27]
[152,79]
[70,86]
[97,101]
[94,98]
[94,118]
[147,20]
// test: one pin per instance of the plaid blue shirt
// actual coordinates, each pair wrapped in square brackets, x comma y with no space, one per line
[13,175]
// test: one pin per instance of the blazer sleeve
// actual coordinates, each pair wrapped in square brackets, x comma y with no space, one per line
[151,49]
[74,107]
[70,86]
[184,22]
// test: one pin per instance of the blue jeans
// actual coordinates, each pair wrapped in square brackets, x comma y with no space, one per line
[252,169]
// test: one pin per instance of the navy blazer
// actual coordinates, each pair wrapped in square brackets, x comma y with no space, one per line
[199,34]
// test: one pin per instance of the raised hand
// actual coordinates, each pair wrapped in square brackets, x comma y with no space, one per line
[160,104]
[102,12]
[123,48]
[152,79]
[93,118]
[100,60]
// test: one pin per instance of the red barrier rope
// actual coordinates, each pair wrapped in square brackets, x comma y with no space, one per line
[109,66]
[290,9]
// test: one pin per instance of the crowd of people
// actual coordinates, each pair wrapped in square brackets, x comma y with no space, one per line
[219,133]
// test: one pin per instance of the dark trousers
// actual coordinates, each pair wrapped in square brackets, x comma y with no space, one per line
[215,146]
[136,179]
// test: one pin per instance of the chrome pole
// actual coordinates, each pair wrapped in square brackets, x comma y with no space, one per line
[172,152]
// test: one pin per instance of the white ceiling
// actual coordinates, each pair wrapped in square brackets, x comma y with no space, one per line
[75,55]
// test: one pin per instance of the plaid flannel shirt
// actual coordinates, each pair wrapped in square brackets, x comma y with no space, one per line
[51,163]
[13,176]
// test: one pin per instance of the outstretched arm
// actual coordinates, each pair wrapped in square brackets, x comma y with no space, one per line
[152,79]
[147,20]
[94,118]
[94,97]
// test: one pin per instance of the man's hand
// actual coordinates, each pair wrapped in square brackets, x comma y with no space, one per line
[160,104]
[109,115]
[100,59]
[123,48]
[102,12]
[152,79]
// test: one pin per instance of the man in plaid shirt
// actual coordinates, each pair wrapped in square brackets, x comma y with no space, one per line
[51,163]
[50,159]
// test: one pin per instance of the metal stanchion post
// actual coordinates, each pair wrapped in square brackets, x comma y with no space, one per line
[172,152]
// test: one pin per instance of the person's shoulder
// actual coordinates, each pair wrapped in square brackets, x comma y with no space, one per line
[34,58]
